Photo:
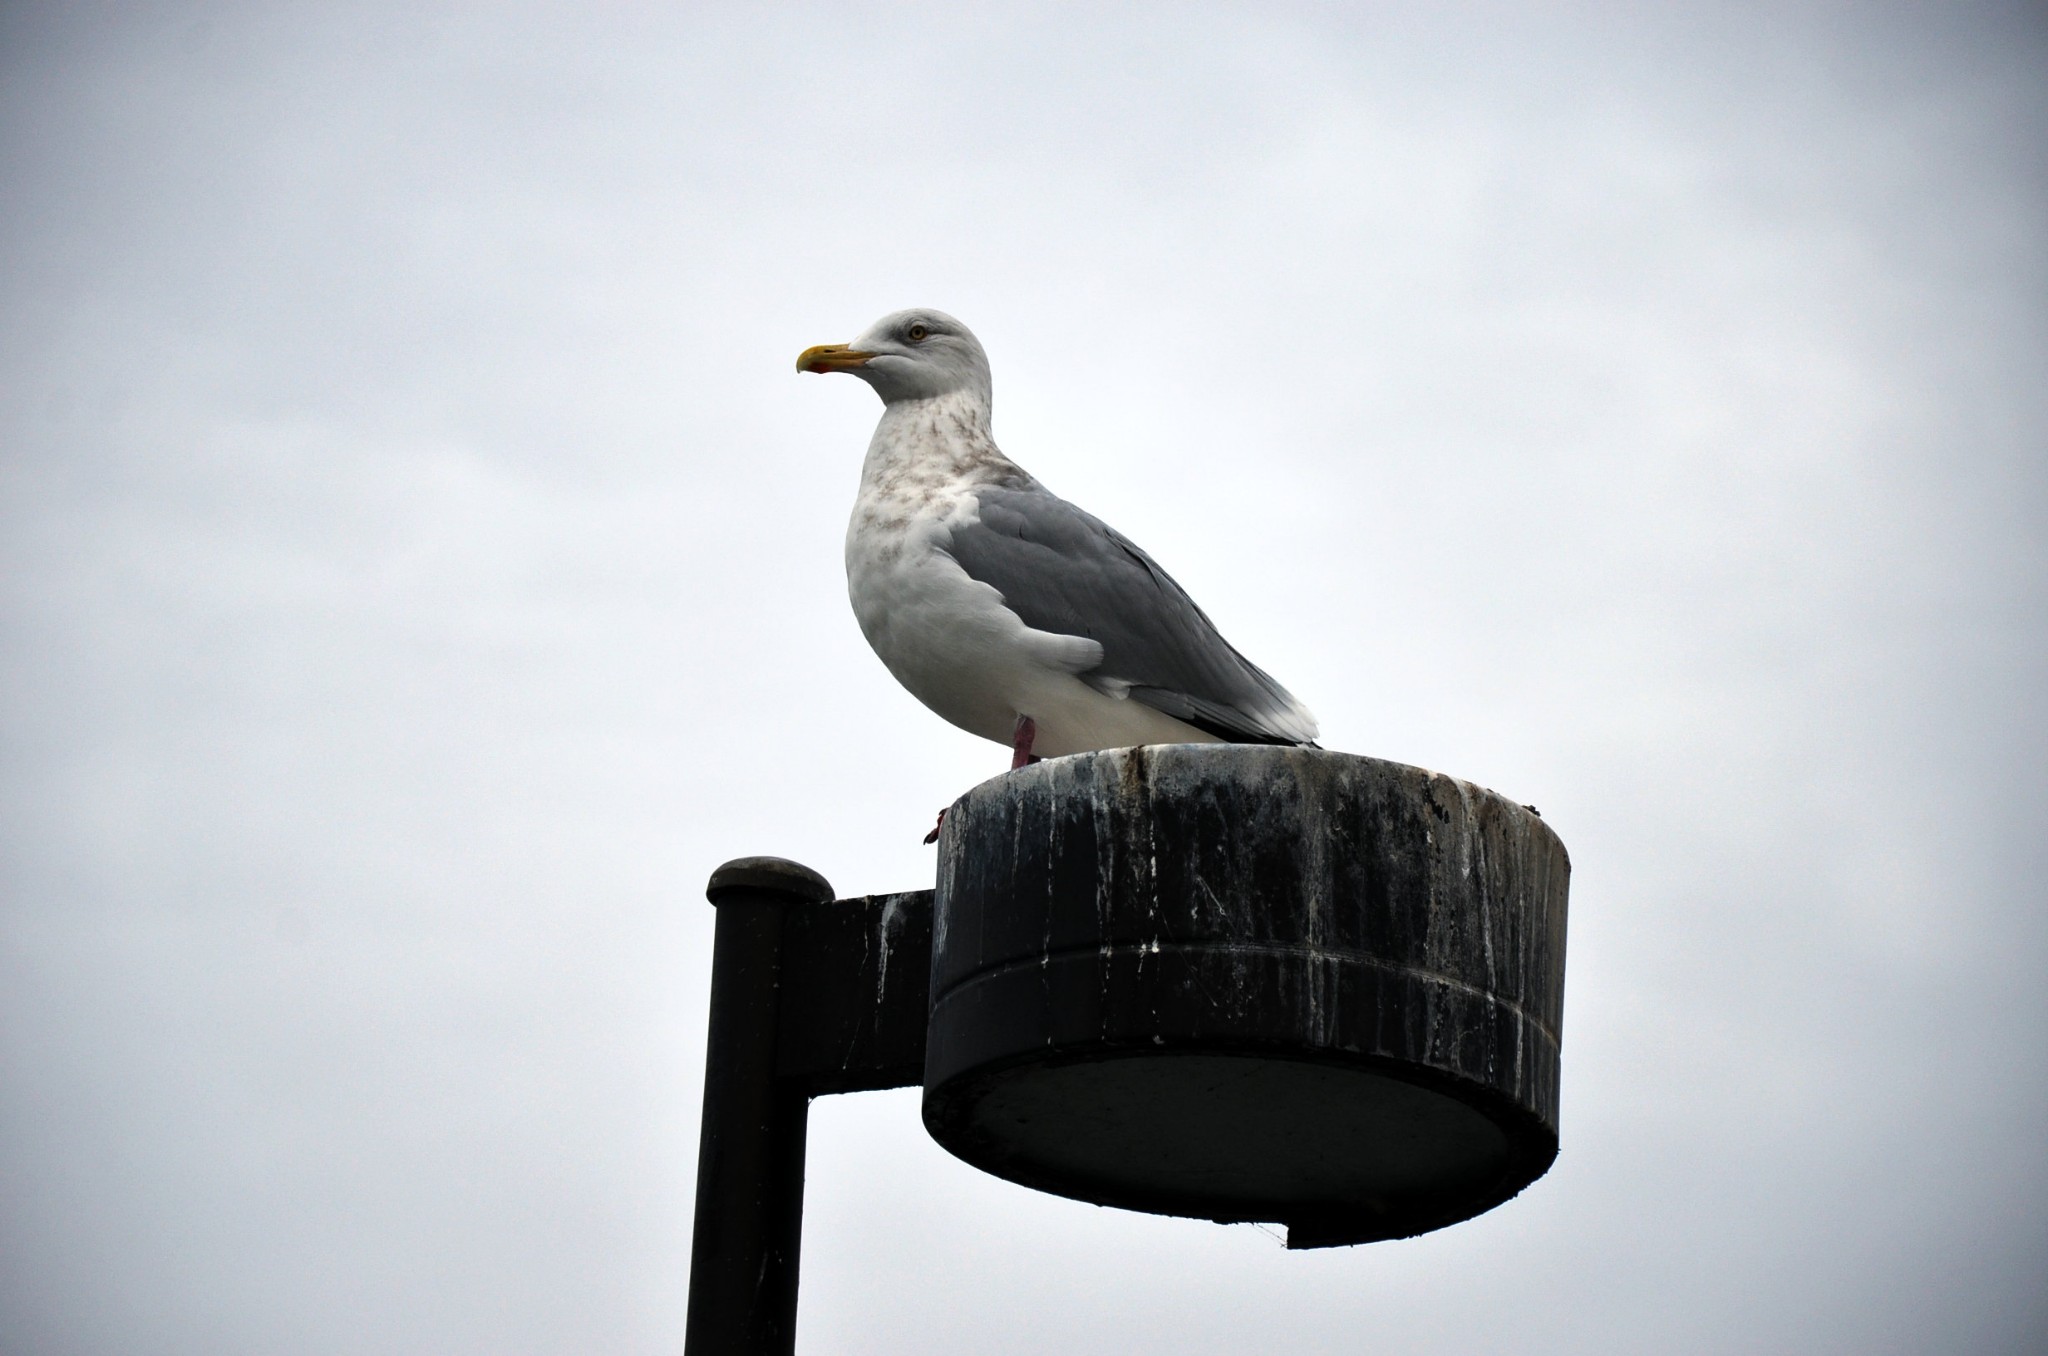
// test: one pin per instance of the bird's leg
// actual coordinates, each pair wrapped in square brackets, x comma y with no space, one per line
[1020,742]
[1025,731]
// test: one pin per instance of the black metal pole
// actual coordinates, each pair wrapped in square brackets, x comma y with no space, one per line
[750,1155]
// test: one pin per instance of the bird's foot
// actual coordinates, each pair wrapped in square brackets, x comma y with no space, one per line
[933,836]
[1020,742]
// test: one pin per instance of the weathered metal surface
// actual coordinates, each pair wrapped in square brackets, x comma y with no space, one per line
[856,980]
[1249,983]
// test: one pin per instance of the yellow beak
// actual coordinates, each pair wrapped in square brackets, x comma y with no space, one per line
[830,358]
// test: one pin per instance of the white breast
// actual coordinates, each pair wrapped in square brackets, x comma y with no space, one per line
[947,639]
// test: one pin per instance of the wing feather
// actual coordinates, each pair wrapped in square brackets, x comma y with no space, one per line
[1065,571]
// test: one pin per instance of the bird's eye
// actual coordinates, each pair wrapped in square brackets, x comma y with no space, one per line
[916,334]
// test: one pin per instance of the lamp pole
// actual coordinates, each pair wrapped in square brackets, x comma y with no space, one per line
[750,1156]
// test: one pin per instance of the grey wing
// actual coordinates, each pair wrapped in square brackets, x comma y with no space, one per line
[1063,570]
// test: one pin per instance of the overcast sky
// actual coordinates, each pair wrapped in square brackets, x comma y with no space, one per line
[421,566]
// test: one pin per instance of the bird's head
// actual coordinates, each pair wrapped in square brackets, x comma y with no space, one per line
[911,355]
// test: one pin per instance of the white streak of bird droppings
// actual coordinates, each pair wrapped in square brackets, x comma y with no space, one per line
[886,934]
[939,891]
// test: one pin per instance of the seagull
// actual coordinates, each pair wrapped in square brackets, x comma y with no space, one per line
[1007,610]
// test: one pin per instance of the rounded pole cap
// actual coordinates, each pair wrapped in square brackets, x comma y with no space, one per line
[768,875]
